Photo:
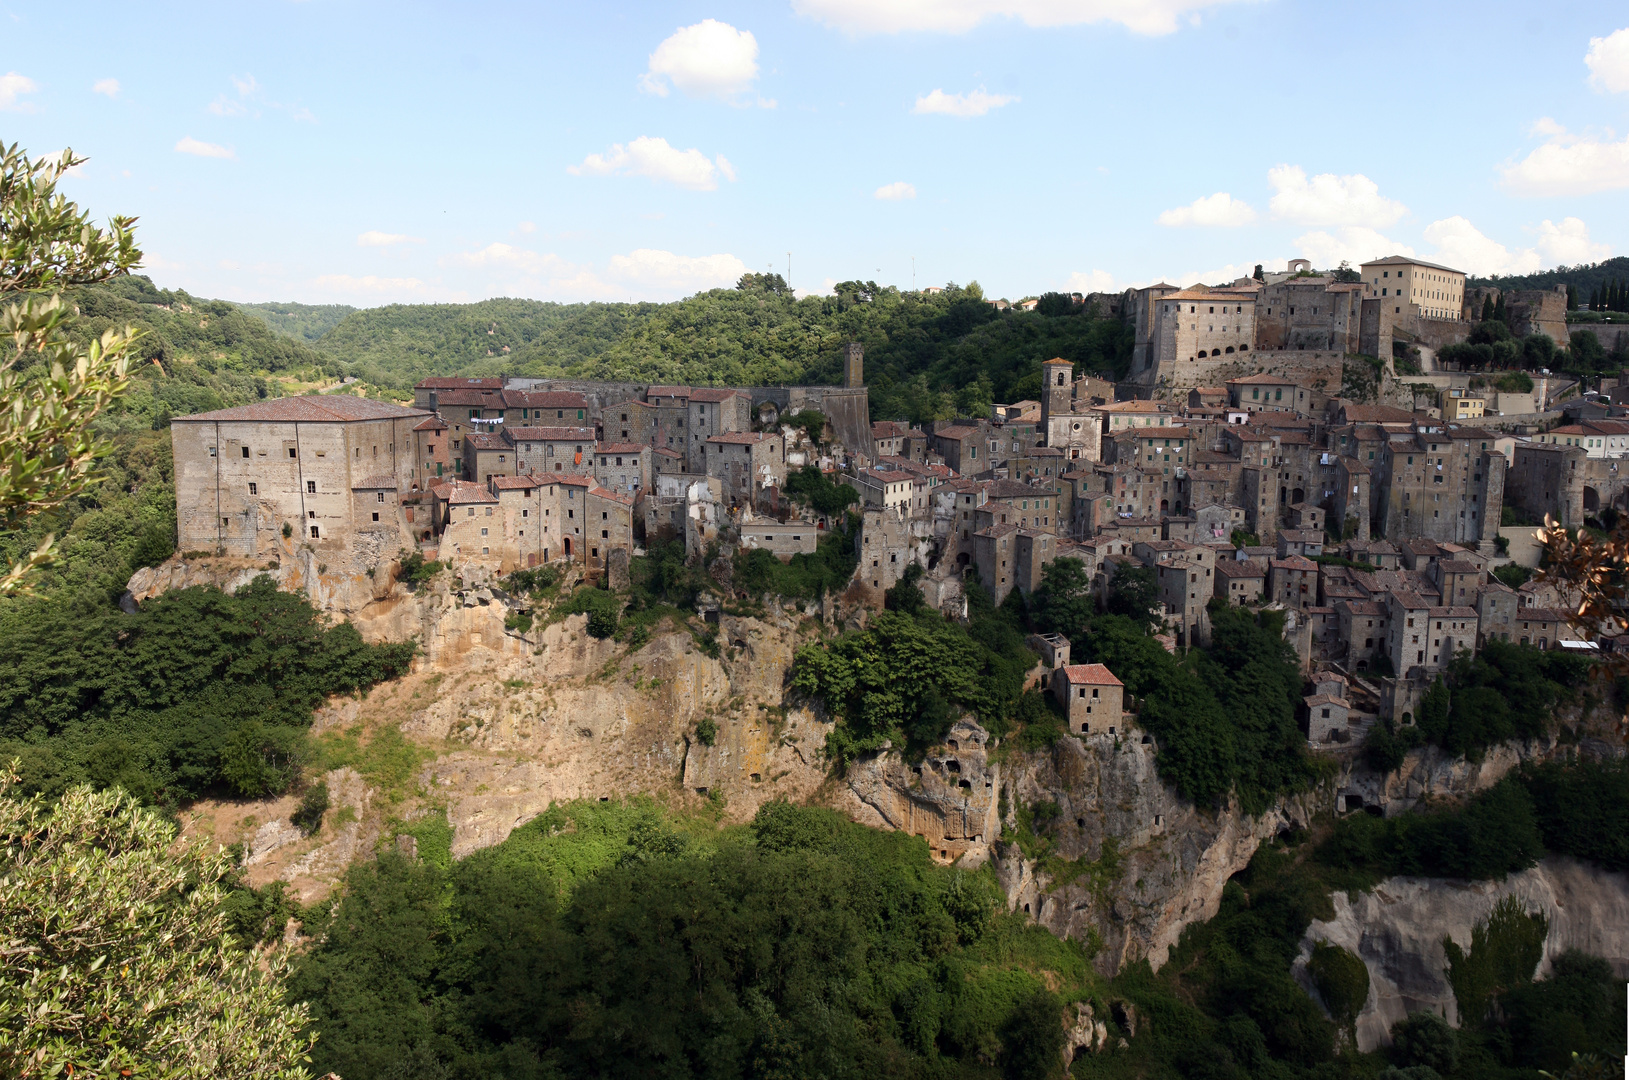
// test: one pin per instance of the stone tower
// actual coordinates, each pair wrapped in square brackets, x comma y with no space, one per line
[1057,393]
[853,365]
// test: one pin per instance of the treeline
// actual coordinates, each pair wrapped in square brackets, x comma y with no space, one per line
[196,692]
[302,322]
[615,940]
[1582,279]
[927,356]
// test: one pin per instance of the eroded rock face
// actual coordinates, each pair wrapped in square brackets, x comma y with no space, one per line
[949,799]
[1398,930]
[1146,862]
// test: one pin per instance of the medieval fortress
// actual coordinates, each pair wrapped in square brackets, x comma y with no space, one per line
[1227,465]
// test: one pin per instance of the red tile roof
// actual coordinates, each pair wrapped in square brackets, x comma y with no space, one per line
[373,483]
[431,423]
[545,399]
[713,393]
[551,434]
[621,448]
[1090,675]
[447,382]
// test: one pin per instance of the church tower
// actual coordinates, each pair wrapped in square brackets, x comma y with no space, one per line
[1057,394]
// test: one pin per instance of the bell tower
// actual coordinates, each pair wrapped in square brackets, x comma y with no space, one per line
[1057,394]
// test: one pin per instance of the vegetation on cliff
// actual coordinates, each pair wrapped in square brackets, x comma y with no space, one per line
[615,940]
[197,691]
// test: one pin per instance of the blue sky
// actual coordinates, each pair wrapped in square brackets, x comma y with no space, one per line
[369,153]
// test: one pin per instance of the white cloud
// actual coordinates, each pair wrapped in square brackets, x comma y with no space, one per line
[1464,247]
[974,103]
[899,189]
[960,16]
[1569,244]
[663,269]
[1569,164]
[1327,199]
[110,87]
[225,106]
[1608,62]
[1354,244]
[375,238]
[709,59]
[1091,281]
[246,85]
[508,257]
[12,87]
[654,158]
[198,148]
[528,226]
[725,167]
[1221,210]
[369,285]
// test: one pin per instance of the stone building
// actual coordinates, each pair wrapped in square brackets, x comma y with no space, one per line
[622,467]
[552,450]
[1092,698]
[1309,314]
[1445,484]
[746,463]
[243,475]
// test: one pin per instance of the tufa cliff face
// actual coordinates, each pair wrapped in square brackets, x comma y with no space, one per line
[1398,930]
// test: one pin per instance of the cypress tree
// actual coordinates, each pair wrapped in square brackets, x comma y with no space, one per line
[1487,308]
[1595,299]
[1572,298]
[1499,310]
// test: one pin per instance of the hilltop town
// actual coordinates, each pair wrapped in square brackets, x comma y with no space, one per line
[1228,465]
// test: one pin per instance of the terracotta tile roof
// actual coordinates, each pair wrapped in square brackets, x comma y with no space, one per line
[374,483]
[955,433]
[666,452]
[545,399]
[449,382]
[713,393]
[1320,700]
[459,492]
[602,493]
[480,440]
[621,448]
[1233,568]
[1400,260]
[431,423]
[1089,675]
[508,483]
[998,531]
[316,408]
[572,480]
[552,434]
[486,399]
[667,391]
[1294,562]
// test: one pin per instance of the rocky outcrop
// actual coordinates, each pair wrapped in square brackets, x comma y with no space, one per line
[949,798]
[1398,930]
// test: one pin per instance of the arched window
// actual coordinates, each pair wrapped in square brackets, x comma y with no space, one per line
[1229,349]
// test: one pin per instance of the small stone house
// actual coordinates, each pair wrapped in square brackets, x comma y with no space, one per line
[1092,698]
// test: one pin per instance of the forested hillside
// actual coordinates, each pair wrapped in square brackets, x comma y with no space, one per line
[927,357]
[303,322]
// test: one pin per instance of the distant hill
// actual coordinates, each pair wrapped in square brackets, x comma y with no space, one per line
[302,322]
[210,354]
[1583,278]
[927,357]
[399,344]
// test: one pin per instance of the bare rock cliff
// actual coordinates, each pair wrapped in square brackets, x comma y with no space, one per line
[1398,930]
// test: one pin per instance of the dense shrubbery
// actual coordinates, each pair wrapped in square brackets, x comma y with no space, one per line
[1224,717]
[197,691]
[906,677]
[612,941]
[1582,809]
[804,577]
[1504,692]
[822,494]
[1493,835]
